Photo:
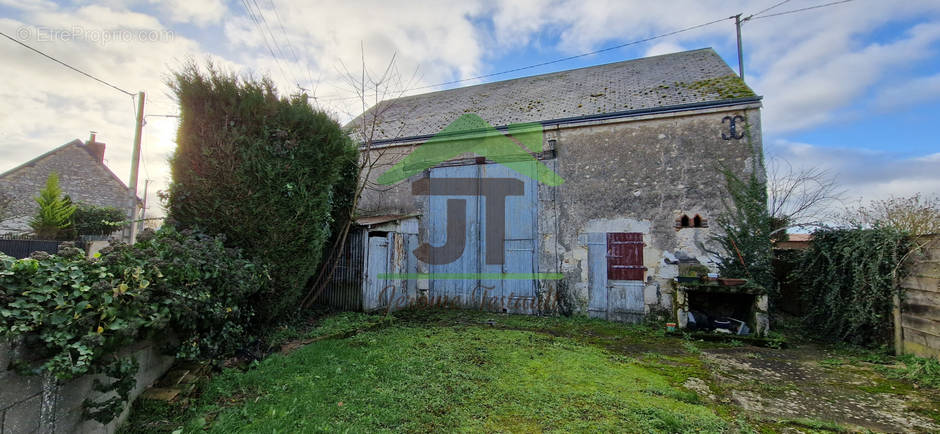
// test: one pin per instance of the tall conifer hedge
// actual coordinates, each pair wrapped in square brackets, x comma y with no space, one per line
[265,171]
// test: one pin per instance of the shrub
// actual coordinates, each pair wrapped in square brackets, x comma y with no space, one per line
[54,218]
[209,287]
[849,279]
[266,172]
[74,313]
[745,230]
[72,310]
[97,220]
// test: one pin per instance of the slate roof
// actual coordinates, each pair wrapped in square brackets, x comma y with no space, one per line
[677,79]
[78,144]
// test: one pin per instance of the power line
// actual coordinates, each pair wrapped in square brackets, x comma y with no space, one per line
[801,9]
[290,45]
[69,66]
[274,39]
[550,62]
[257,22]
[767,9]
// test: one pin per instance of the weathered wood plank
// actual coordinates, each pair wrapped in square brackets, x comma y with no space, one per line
[921,310]
[921,344]
[921,324]
[922,283]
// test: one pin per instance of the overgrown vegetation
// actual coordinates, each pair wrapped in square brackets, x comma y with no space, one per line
[916,215]
[746,225]
[265,171]
[53,220]
[73,314]
[849,279]
[96,220]
[918,370]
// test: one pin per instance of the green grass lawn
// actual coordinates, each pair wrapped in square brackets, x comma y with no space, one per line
[467,371]
[457,371]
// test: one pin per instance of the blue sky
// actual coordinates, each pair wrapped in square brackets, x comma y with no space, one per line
[853,88]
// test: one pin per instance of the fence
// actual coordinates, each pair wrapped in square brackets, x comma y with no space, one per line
[344,291]
[21,246]
[920,308]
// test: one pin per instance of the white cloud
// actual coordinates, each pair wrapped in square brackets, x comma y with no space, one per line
[864,173]
[201,13]
[664,48]
[46,105]
[915,91]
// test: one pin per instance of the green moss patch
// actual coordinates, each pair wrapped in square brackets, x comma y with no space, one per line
[727,87]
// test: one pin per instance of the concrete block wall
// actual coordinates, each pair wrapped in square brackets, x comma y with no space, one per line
[30,404]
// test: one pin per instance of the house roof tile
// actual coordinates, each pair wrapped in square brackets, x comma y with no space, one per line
[661,81]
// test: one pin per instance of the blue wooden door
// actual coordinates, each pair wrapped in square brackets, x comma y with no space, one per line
[375,297]
[519,243]
[468,263]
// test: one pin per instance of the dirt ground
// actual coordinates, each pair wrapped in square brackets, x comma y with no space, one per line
[809,383]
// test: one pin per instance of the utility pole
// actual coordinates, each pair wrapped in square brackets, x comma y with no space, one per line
[135,166]
[143,213]
[737,25]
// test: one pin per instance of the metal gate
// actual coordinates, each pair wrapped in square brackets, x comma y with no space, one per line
[344,291]
[475,278]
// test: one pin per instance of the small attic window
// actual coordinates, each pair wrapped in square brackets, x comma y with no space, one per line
[684,221]
[695,222]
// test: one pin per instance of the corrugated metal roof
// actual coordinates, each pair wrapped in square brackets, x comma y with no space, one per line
[669,80]
[379,219]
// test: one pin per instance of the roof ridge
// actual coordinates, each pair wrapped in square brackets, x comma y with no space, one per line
[40,157]
[75,142]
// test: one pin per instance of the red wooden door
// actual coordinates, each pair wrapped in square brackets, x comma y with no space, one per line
[625,256]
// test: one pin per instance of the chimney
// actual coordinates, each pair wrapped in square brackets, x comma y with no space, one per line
[96,148]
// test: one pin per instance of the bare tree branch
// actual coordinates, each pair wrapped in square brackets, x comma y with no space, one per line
[384,88]
[800,197]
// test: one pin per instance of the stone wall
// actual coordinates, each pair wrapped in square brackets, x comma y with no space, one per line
[81,177]
[920,309]
[641,176]
[31,404]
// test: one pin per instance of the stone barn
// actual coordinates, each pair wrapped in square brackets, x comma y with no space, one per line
[581,190]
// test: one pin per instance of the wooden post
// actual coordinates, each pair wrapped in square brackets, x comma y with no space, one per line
[898,330]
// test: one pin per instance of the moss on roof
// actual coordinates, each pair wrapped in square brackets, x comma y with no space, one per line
[726,87]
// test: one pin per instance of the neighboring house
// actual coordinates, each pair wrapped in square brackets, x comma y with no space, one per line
[83,176]
[639,144]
